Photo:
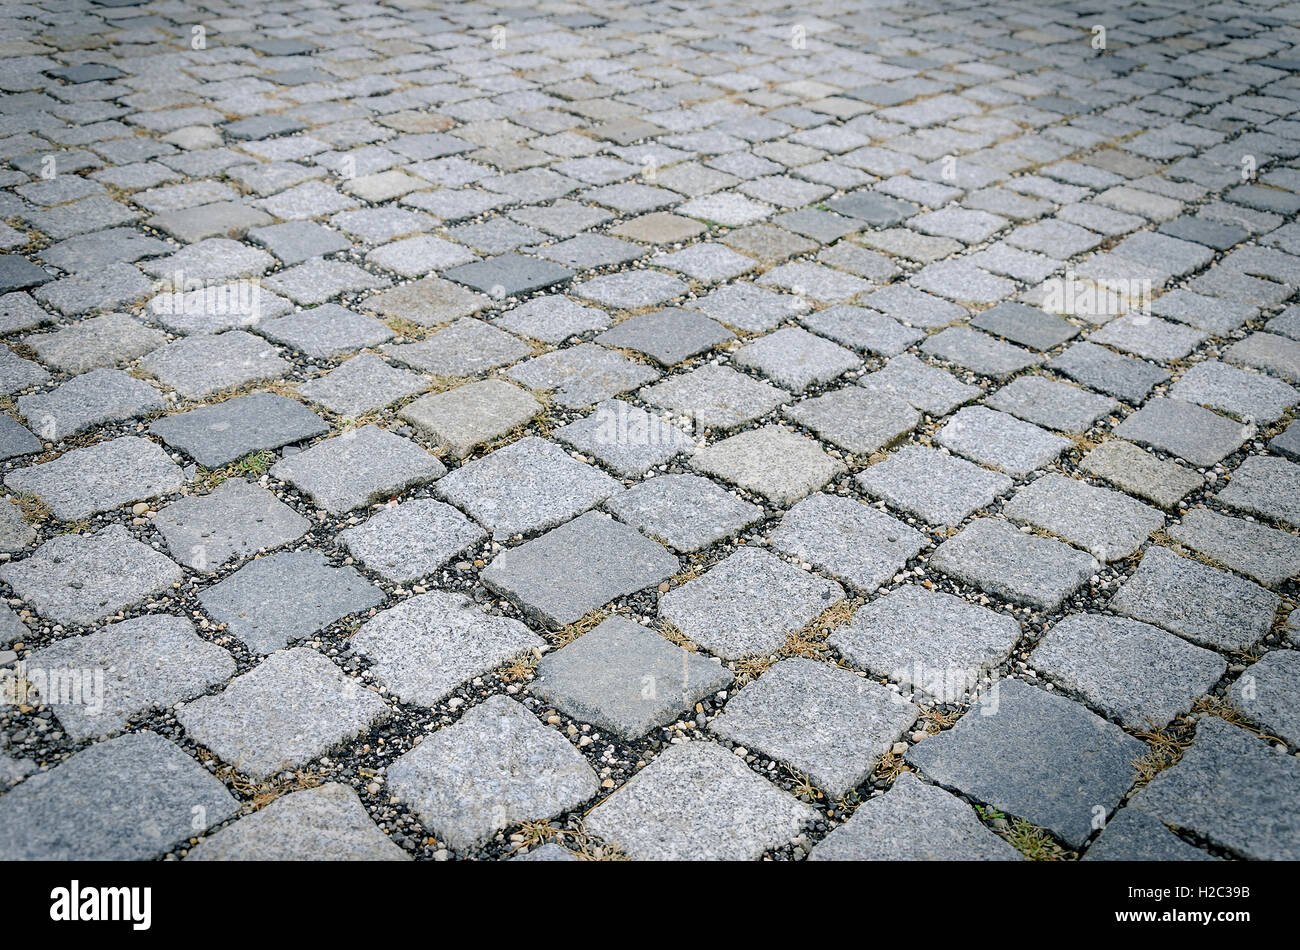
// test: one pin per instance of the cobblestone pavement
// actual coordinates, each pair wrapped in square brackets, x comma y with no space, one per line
[656,430]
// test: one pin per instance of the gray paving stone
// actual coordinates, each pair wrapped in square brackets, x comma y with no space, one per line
[425,647]
[1199,603]
[109,340]
[774,462]
[1196,435]
[220,219]
[1232,790]
[978,352]
[296,241]
[317,280]
[217,434]
[715,397]
[1131,671]
[325,332]
[495,767]
[327,823]
[552,319]
[1037,756]
[861,329]
[1099,368]
[625,438]
[429,302]
[1057,406]
[1269,352]
[1214,314]
[212,260]
[82,578]
[913,822]
[826,722]
[749,308]
[101,477]
[686,512]
[358,467]
[1267,692]
[936,487]
[1128,467]
[129,799]
[411,540]
[86,401]
[1000,440]
[293,707]
[272,601]
[1149,337]
[795,359]
[510,275]
[860,421]
[199,366]
[582,375]
[362,384]
[1266,554]
[928,640]
[468,416]
[854,543]
[17,373]
[1132,835]
[626,678]
[1025,325]
[571,570]
[748,604]
[15,532]
[631,290]
[925,387]
[1267,487]
[526,486]
[697,801]
[995,557]
[18,311]
[155,660]
[1108,524]
[237,519]
[667,336]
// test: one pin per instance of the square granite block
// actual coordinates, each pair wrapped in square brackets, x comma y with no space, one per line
[828,723]
[509,275]
[686,512]
[1131,671]
[406,542]
[526,486]
[939,488]
[272,601]
[626,678]
[571,570]
[293,707]
[1034,755]
[853,542]
[1002,441]
[236,519]
[625,438]
[1199,603]
[218,434]
[928,640]
[497,766]
[697,801]
[748,603]
[358,467]
[427,645]
[992,555]
[774,462]
[667,336]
